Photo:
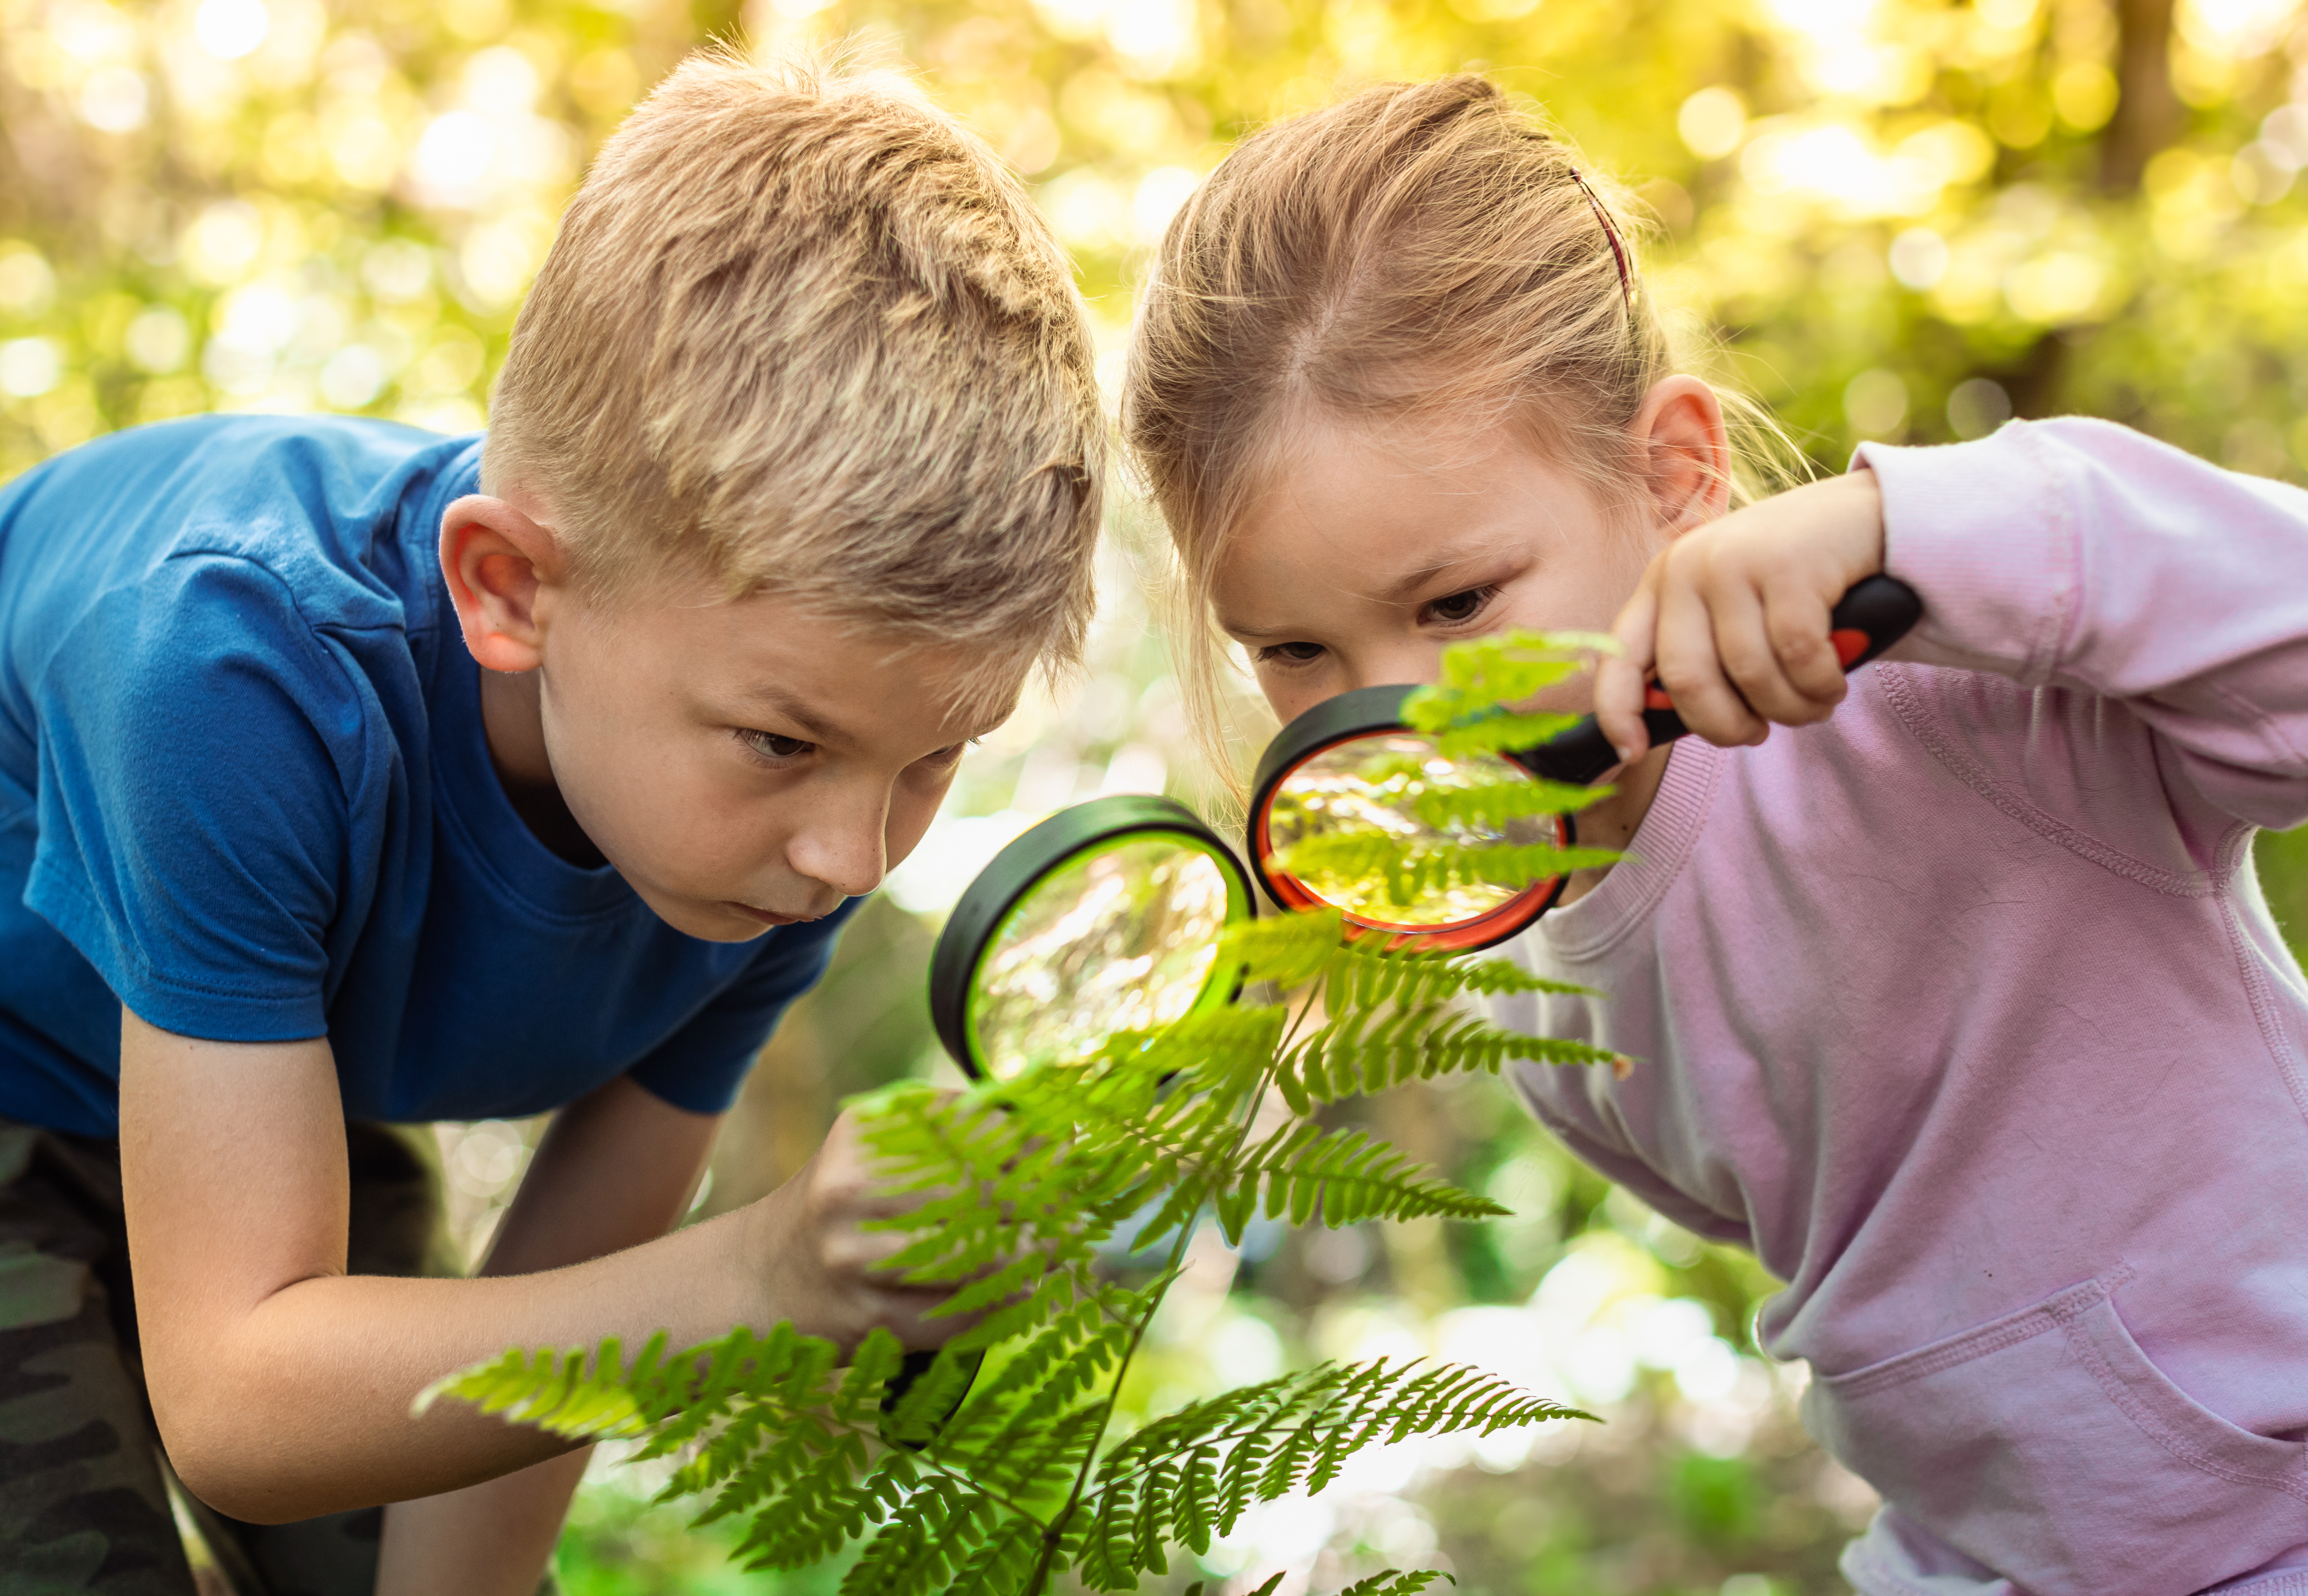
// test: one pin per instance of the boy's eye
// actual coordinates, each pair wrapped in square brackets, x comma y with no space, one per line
[951,754]
[774,748]
[1289,653]
[1458,607]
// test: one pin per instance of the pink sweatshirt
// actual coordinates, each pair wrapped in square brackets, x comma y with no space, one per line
[1964,1012]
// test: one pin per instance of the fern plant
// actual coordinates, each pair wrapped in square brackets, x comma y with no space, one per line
[1386,832]
[1009,1483]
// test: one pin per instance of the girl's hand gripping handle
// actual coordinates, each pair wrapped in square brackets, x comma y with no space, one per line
[1873,614]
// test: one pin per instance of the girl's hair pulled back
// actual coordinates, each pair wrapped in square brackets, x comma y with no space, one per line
[1415,250]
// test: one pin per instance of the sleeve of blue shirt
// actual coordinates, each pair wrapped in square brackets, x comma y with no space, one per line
[198,742]
[701,1066]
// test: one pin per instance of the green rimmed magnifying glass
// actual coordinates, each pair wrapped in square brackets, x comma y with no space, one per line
[1105,918]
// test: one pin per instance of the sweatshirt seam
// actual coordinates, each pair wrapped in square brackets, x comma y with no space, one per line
[2147,1423]
[2256,993]
[2068,606]
[1863,1555]
[1652,889]
[1907,703]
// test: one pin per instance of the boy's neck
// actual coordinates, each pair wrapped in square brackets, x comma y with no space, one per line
[512,722]
[1612,822]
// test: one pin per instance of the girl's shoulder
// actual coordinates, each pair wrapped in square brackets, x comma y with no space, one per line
[2076,768]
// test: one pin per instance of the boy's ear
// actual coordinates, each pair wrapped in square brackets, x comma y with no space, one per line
[1687,452]
[501,564]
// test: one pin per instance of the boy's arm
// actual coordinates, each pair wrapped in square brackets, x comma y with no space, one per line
[616,1168]
[282,1387]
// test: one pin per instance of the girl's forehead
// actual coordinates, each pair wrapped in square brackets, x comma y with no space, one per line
[1368,520]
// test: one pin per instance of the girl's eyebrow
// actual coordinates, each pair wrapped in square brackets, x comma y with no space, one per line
[1402,589]
[1232,630]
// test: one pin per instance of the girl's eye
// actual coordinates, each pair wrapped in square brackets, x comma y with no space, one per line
[776,749]
[1459,608]
[1290,654]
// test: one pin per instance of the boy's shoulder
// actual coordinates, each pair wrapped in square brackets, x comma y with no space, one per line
[339,511]
[210,475]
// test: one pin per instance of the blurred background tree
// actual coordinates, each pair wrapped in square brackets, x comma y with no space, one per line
[1893,218]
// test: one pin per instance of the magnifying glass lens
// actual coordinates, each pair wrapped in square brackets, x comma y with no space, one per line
[1354,824]
[1122,937]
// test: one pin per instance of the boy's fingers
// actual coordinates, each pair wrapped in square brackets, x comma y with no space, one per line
[1691,671]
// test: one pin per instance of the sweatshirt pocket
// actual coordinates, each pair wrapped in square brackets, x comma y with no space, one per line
[2044,1445]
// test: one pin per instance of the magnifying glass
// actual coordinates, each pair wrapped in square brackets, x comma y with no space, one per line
[1354,808]
[1105,918]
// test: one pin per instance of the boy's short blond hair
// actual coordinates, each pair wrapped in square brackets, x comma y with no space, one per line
[800,331]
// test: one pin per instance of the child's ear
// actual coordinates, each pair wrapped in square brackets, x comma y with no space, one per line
[500,563]
[1686,452]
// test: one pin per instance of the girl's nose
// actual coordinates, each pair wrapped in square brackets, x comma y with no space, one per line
[1391,664]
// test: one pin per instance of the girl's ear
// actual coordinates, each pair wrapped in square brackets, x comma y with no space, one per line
[1686,452]
[499,563]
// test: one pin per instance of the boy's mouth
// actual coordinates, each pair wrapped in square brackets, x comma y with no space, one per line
[769,917]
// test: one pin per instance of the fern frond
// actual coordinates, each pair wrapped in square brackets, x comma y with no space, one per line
[1344,1176]
[1264,1441]
[927,1533]
[1286,949]
[1483,673]
[1361,980]
[1344,1060]
[1394,1582]
[577,1394]
[1499,733]
[1384,877]
[1493,806]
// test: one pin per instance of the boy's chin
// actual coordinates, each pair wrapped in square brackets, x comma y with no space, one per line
[708,922]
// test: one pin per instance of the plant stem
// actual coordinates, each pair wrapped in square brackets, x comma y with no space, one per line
[1038,1583]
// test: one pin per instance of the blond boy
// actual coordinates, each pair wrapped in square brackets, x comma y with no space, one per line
[793,475]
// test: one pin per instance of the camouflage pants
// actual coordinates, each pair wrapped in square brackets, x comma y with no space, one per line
[84,1503]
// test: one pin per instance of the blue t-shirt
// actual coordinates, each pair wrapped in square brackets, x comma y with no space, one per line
[244,790]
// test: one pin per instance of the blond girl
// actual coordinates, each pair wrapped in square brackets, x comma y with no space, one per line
[1951,991]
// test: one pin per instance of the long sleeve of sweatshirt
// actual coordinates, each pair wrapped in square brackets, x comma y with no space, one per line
[2079,554]
[1961,1009]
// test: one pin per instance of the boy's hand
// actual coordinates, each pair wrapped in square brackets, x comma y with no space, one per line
[1732,617]
[822,1269]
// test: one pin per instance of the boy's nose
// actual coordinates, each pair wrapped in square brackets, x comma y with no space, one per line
[845,854]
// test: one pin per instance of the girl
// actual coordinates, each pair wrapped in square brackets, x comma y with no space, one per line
[1958,1003]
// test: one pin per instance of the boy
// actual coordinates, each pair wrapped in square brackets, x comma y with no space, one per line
[793,475]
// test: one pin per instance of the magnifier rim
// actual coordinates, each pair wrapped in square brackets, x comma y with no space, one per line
[1031,857]
[1374,712]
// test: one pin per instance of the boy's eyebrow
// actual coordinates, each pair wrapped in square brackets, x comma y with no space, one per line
[820,729]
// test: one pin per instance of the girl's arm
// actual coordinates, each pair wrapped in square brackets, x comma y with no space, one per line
[2081,553]
[282,1386]
[616,1168]
[2072,553]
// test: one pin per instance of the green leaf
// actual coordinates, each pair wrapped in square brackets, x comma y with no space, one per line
[1345,1177]
[1266,1440]
[1394,1582]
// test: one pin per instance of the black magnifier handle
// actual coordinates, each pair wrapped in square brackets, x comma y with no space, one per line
[1871,615]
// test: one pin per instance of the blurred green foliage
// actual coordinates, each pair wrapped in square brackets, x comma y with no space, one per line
[1895,219]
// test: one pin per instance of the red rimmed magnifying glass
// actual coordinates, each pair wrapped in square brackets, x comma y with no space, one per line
[1354,809]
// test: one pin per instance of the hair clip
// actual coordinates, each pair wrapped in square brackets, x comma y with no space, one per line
[1618,250]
